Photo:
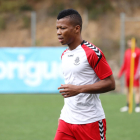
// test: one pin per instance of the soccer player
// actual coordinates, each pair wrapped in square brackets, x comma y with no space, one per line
[125,68]
[87,74]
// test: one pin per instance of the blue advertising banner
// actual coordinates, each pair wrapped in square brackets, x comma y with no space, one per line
[30,70]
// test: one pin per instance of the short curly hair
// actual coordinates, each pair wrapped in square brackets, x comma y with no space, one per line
[73,15]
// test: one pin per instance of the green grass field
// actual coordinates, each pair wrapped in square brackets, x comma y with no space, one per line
[34,117]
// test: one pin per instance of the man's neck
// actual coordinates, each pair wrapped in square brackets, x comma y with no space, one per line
[75,44]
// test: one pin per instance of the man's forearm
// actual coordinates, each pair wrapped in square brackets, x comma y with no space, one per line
[102,86]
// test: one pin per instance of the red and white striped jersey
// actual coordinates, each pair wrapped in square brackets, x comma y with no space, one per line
[82,66]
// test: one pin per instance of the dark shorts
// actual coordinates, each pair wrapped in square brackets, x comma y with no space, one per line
[91,131]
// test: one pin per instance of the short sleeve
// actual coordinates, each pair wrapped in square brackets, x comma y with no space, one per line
[102,68]
[97,61]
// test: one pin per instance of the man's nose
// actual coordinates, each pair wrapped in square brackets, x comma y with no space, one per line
[58,31]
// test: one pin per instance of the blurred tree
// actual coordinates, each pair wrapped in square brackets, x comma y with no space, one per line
[56,7]
[94,7]
[2,23]
[16,6]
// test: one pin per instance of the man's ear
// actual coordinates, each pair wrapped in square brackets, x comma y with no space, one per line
[77,29]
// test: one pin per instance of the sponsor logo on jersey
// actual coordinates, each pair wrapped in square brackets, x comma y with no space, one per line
[71,55]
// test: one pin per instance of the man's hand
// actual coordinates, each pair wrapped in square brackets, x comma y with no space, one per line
[69,90]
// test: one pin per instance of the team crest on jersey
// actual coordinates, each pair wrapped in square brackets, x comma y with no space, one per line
[77,61]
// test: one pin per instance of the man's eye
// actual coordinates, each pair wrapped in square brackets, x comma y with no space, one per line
[63,28]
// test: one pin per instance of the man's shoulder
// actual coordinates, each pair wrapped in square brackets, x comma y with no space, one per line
[90,45]
[64,53]
[128,50]
[137,48]
[91,48]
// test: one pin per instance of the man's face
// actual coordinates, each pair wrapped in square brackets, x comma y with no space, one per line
[129,43]
[65,31]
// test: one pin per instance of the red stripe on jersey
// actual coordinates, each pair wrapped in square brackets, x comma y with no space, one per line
[63,53]
[99,64]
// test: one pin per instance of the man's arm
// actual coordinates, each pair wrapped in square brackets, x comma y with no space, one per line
[102,86]
[123,67]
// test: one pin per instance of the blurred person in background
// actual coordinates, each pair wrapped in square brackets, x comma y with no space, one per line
[87,74]
[125,68]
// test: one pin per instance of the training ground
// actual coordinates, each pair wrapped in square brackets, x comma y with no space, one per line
[35,116]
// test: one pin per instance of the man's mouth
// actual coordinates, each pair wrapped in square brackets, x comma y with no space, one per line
[60,39]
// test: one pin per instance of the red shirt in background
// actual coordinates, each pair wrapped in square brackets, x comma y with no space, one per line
[125,68]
